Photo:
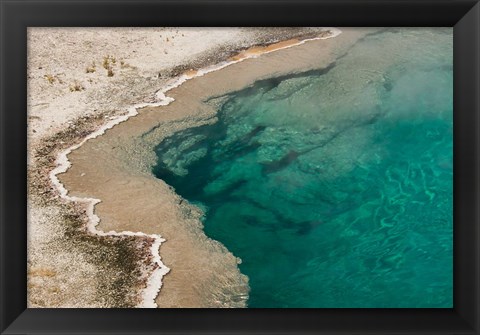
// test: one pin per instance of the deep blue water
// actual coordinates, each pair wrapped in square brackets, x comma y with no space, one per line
[334,187]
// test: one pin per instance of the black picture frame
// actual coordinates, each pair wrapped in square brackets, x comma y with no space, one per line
[16,16]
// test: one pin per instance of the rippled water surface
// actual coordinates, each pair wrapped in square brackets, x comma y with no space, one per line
[334,186]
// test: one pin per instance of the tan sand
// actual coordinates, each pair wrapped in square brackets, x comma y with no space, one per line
[116,167]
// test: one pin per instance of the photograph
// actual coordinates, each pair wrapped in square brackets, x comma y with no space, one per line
[240,167]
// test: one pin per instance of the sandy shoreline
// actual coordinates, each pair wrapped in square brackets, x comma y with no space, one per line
[45,275]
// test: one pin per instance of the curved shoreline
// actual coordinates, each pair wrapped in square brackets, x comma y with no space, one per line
[63,164]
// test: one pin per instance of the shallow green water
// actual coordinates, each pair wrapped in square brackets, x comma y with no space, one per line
[335,186]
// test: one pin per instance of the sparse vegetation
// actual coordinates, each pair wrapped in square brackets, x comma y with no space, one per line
[108,60]
[51,79]
[91,68]
[76,87]
[105,62]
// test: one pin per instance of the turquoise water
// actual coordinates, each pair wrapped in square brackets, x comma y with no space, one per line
[334,187]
